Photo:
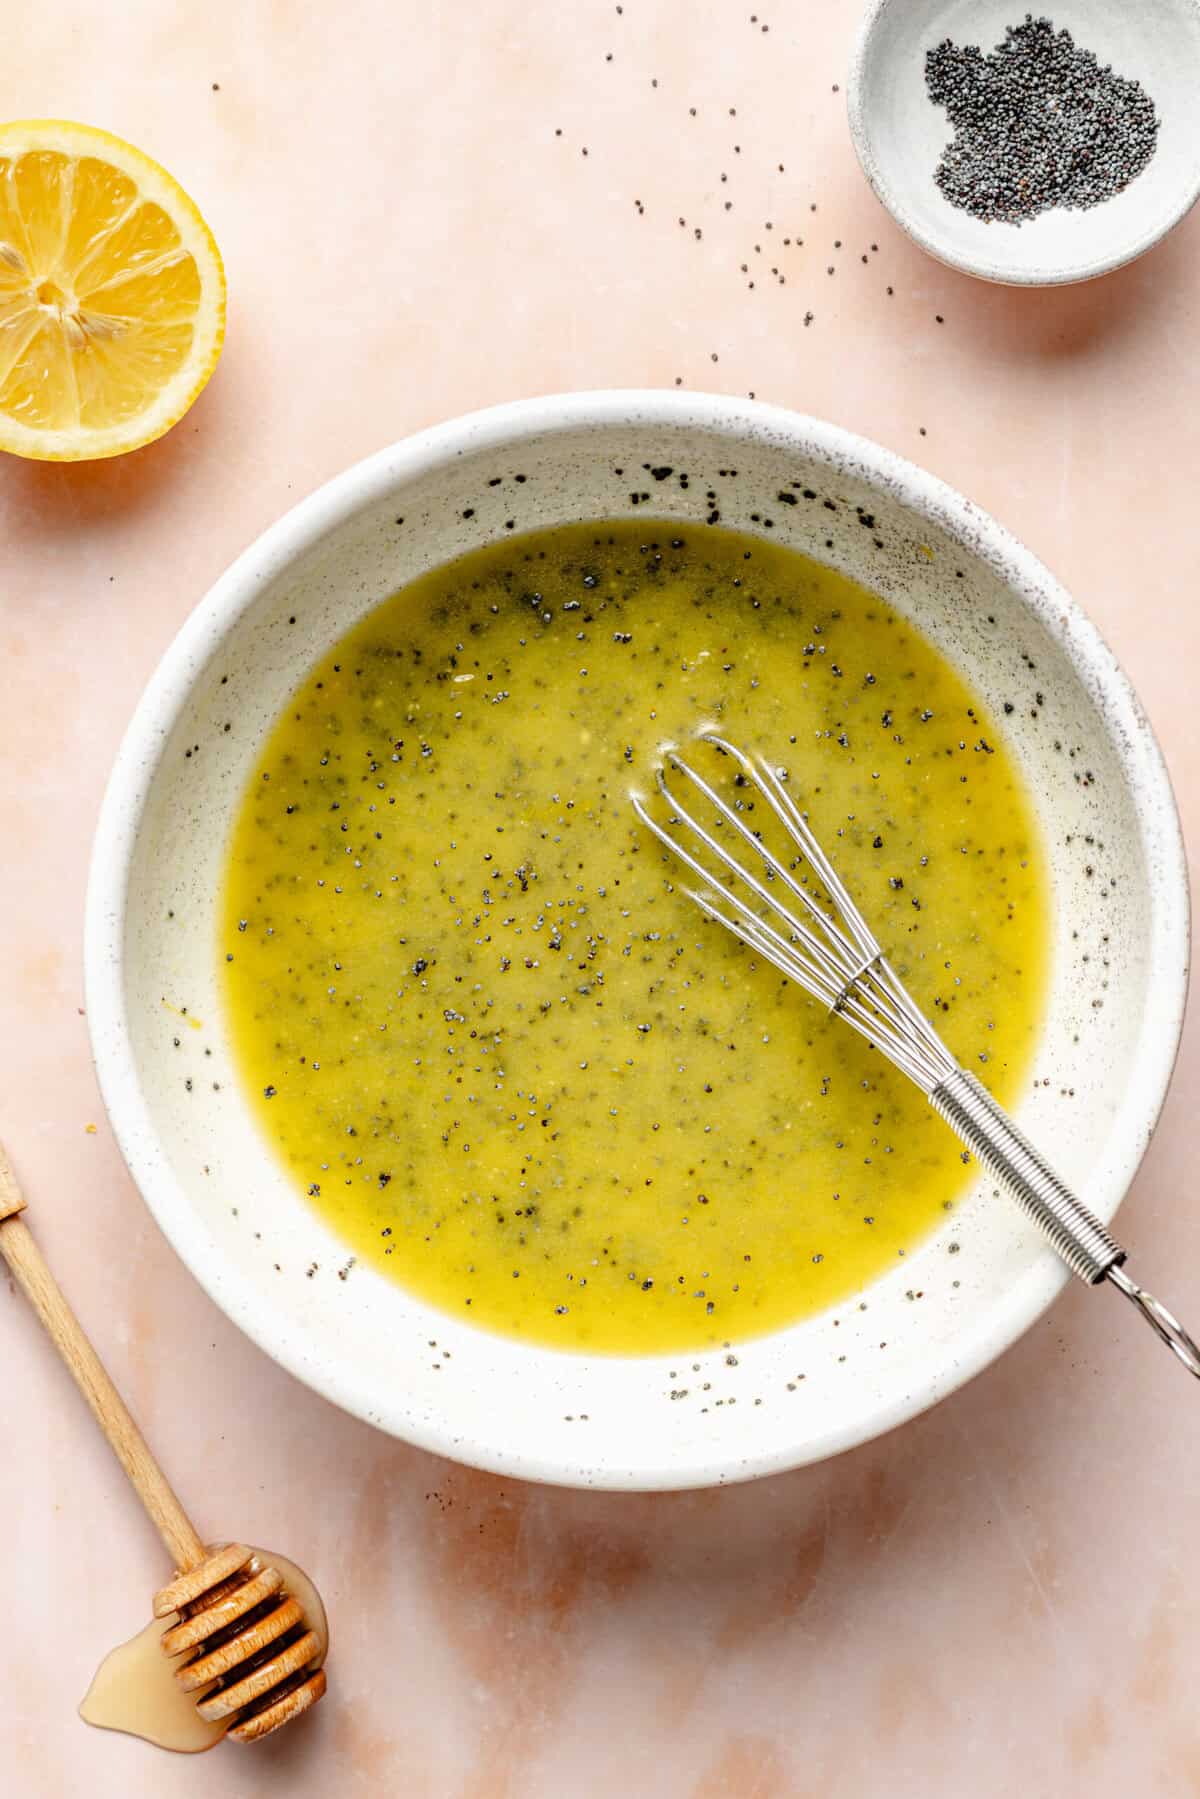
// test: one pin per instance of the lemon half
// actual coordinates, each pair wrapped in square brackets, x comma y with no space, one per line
[112,294]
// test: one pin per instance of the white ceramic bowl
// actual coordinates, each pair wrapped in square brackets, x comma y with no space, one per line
[214,1184]
[900,135]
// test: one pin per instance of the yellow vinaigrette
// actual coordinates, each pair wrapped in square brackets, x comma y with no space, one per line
[507,1061]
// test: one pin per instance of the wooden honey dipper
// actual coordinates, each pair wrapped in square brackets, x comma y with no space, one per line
[249,1651]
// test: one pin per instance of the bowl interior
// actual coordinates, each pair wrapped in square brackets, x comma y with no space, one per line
[900,134]
[161,1042]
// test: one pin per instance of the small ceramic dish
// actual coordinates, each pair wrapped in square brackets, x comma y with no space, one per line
[242,1225]
[900,134]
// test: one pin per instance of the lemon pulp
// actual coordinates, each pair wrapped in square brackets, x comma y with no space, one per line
[112,296]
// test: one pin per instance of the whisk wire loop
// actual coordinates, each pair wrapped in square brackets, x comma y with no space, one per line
[833,955]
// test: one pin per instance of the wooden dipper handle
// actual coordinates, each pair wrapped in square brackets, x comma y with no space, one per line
[33,1276]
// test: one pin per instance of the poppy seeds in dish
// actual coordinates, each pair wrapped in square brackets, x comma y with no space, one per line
[1038,124]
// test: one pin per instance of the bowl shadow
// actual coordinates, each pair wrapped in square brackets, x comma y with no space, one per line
[39,501]
[711,1570]
[1061,324]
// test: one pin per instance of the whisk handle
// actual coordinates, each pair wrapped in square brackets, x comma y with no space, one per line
[1079,1238]
[992,1137]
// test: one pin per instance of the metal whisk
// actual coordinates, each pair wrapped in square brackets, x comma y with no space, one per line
[834,956]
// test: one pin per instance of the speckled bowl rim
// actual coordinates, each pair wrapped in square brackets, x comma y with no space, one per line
[505,427]
[889,197]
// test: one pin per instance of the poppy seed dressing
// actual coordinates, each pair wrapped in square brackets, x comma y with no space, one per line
[495,1046]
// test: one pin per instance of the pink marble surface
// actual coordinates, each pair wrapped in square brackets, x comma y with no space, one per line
[1002,1593]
